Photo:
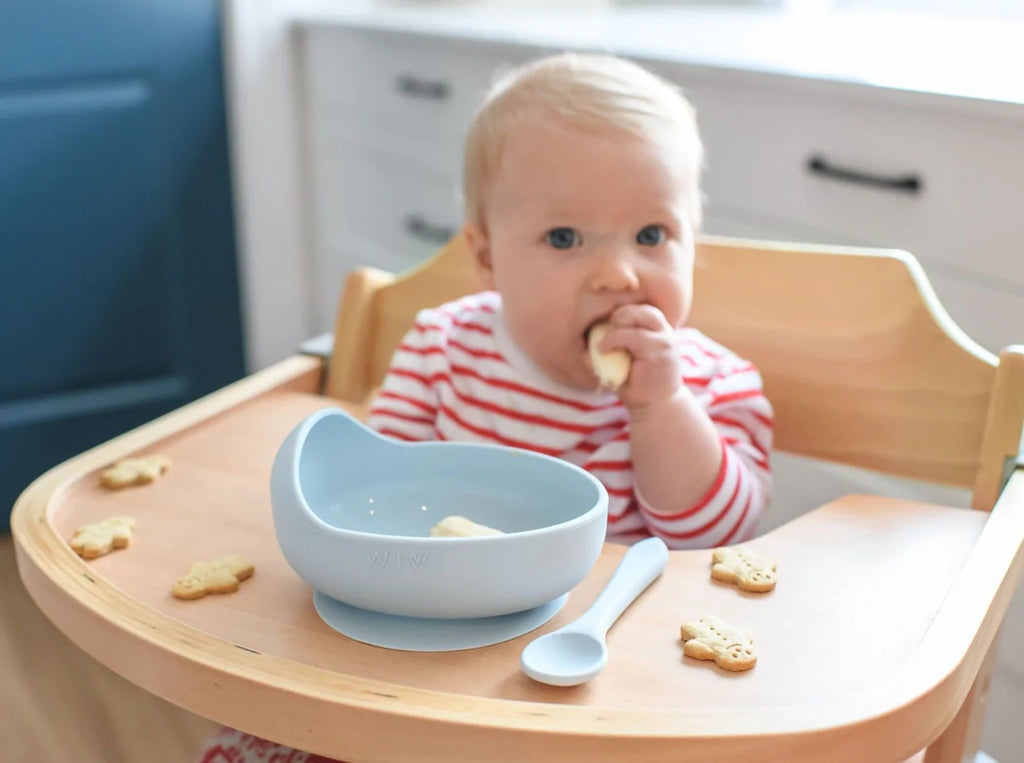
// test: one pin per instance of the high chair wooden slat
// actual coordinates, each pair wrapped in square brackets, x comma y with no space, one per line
[877,642]
[859,359]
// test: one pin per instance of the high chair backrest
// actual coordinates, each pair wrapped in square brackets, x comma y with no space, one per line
[862,364]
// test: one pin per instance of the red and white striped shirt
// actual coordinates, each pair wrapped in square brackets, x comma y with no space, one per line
[457,375]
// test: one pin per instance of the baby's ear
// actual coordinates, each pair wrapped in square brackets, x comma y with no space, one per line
[480,249]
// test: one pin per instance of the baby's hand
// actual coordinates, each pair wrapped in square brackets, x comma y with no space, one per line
[656,372]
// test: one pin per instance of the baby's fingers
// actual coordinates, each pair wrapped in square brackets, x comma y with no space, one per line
[638,342]
[641,316]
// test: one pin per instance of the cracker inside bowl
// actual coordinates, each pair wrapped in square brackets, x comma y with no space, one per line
[353,512]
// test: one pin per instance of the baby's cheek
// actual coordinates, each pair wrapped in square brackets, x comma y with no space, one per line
[683,291]
[674,302]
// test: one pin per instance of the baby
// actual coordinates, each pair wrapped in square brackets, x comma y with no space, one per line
[582,194]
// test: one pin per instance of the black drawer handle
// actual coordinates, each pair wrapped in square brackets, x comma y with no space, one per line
[909,183]
[433,90]
[427,231]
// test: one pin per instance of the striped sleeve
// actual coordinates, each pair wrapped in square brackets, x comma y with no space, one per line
[731,508]
[407,404]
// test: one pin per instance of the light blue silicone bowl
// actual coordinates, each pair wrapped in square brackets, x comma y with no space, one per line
[353,512]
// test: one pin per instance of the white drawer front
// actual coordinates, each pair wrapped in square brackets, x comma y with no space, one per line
[993,317]
[382,196]
[408,88]
[368,199]
[967,212]
[722,220]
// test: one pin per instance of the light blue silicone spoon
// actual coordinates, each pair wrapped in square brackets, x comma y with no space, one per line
[575,653]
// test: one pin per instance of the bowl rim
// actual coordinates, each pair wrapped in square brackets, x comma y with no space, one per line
[303,429]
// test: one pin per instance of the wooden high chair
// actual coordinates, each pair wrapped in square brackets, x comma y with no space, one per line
[877,642]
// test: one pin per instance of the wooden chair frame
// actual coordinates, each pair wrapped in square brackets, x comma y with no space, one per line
[862,365]
[860,360]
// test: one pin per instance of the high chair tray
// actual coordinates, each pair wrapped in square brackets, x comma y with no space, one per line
[855,644]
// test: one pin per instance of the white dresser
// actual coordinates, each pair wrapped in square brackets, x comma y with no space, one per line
[386,112]
[799,147]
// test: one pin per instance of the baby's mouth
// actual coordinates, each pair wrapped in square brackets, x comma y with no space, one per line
[585,338]
[603,319]
[591,325]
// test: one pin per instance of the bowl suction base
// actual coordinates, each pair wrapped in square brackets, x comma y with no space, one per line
[420,634]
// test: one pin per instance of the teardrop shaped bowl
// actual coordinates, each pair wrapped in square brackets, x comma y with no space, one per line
[353,511]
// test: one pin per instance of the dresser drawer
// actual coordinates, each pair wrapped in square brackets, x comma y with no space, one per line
[990,314]
[381,196]
[415,89]
[761,143]
[369,197]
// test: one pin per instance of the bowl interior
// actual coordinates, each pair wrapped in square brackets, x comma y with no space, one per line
[352,478]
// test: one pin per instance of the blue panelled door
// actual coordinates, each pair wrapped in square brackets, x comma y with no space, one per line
[118,287]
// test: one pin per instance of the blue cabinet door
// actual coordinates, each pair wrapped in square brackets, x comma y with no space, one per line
[118,286]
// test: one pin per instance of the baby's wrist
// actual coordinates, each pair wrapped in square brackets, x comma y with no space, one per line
[654,409]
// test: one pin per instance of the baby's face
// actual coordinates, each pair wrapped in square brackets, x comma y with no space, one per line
[578,224]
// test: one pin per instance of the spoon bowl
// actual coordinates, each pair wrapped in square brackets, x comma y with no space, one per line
[565,658]
[576,653]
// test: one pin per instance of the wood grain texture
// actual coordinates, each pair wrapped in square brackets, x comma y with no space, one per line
[881,624]
[962,738]
[862,364]
[57,703]
[1002,435]
[381,308]
[348,376]
[869,644]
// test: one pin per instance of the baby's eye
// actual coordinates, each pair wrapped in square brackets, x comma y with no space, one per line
[563,238]
[650,235]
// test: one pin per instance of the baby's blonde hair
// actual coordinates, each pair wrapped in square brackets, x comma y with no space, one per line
[599,93]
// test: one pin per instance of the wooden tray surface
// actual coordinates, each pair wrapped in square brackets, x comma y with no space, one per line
[842,581]
[860,582]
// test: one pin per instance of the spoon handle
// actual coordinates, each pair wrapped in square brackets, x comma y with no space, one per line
[640,566]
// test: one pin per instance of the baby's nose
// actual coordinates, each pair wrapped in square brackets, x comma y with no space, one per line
[614,272]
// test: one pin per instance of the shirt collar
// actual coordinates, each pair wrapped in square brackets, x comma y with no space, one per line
[530,372]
